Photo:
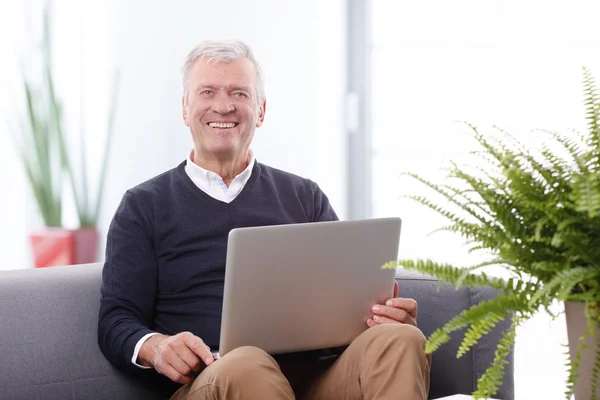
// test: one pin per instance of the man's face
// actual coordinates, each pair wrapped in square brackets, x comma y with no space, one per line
[222,110]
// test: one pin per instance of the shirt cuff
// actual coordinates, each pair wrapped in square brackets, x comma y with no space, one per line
[138,346]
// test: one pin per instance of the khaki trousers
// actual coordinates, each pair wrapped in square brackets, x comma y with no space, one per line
[384,362]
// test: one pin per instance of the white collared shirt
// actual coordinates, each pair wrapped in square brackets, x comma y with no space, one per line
[213,185]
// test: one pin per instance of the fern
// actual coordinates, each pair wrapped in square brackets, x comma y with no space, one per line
[575,150]
[491,380]
[537,214]
[572,367]
[586,194]
[447,273]
[561,286]
[592,105]
[477,330]
[500,307]
[452,199]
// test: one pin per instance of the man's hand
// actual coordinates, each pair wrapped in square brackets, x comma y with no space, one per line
[175,356]
[396,310]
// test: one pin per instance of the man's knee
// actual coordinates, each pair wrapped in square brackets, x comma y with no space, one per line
[249,353]
[245,371]
[391,336]
[242,362]
[240,365]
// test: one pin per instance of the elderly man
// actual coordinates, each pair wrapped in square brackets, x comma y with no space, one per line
[162,287]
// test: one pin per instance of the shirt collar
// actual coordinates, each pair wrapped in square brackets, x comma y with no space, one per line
[206,178]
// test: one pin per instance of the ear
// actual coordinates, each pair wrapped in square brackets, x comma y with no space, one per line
[185,111]
[261,114]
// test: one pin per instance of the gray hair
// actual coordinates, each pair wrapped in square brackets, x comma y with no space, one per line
[221,51]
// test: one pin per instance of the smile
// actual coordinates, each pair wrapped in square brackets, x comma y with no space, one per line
[223,125]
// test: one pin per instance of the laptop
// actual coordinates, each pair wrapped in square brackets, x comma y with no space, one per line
[308,286]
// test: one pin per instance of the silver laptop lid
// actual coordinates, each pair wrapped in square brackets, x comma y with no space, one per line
[306,286]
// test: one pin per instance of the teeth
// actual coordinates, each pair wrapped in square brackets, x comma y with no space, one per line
[221,125]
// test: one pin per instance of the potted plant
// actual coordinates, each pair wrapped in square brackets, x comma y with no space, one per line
[535,213]
[49,165]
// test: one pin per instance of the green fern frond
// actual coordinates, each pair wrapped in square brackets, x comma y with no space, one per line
[491,380]
[424,201]
[447,273]
[586,194]
[443,190]
[475,248]
[446,228]
[474,233]
[499,183]
[466,272]
[561,286]
[487,147]
[476,331]
[498,204]
[501,306]
[530,162]
[463,199]
[575,150]
[467,229]
[572,367]
[592,105]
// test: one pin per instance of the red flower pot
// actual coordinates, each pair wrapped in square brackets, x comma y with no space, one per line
[58,246]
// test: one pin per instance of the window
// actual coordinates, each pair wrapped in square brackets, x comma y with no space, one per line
[514,64]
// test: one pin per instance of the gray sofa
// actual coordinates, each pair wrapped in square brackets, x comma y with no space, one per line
[49,350]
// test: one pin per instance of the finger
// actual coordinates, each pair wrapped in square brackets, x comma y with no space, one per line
[396,314]
[178,355]
[396,289]
[392,313]
[409,305]
[371,323]
[381,320]
[395,317]
[173,374]
[189,357]
[199,348]
[179,364]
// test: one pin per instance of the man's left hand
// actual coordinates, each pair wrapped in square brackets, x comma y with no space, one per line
[396,310]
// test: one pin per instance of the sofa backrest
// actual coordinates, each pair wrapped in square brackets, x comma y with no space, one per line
[48,338]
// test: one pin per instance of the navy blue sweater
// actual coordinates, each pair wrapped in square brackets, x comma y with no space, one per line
[166,248]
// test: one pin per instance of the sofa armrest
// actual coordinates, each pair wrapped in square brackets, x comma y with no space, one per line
[438,303]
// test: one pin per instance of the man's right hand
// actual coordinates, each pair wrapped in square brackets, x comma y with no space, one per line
[175,356]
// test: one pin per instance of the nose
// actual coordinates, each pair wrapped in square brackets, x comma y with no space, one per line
[222,105]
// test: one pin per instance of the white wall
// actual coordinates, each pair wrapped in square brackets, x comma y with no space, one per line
[299,44]
[14,196]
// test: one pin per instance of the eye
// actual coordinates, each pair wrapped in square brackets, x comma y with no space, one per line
[206,92]
[241,95]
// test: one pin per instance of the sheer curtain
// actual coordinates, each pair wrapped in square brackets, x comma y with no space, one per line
[514,64]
